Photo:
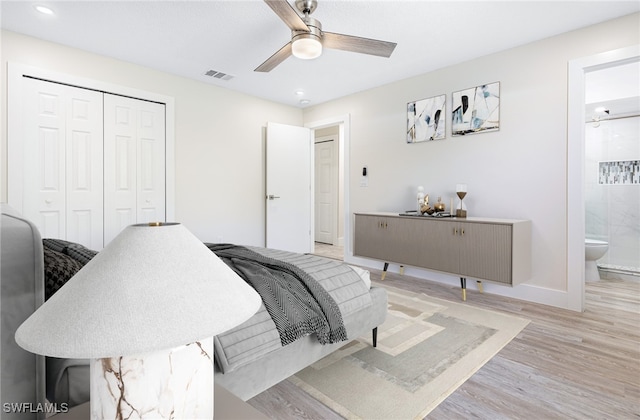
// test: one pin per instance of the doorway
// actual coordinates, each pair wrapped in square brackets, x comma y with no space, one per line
[336,127]
[576,164]
[328,193]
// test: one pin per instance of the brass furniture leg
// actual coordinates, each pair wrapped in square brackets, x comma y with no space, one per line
[463,284]
[402,270]
[480,288]
[384,271]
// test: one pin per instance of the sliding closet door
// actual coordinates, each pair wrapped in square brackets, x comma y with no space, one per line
[62,161]
[134,159]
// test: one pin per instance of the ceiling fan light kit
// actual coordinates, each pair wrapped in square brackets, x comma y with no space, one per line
[307,45]
[308,39]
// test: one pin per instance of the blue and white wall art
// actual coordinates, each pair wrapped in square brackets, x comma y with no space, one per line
[476,110]
[425,119]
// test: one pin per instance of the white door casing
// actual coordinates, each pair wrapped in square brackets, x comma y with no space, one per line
[289,189]
[326,185]
[62,162]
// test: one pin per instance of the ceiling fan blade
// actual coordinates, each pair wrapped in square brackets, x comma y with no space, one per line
[277,58]
[357,44]
[289,16]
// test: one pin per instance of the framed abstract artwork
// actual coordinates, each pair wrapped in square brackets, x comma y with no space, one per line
[426,119]
[476,110]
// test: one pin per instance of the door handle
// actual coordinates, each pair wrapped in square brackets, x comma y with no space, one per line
[272,197]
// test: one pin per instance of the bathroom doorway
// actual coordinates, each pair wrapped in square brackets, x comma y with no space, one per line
[578,70]
[612,167]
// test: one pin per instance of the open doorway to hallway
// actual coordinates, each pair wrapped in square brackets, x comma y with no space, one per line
[328,192]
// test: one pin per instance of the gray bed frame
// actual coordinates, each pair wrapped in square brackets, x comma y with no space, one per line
[67,380]
[21,293]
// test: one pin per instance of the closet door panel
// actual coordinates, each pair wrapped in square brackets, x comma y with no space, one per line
[120,159]
[62,161]
[44,149]
[84,169]
[134,163]
[151,164]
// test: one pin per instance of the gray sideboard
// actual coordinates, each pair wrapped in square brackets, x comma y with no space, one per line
[496,250]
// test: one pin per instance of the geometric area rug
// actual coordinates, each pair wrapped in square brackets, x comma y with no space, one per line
[427,348]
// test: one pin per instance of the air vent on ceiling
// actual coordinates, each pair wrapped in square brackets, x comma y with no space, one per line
[218,75]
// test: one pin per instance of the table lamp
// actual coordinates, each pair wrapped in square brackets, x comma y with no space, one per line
[145,310]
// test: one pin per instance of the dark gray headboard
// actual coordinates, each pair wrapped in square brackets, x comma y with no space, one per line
[21,292]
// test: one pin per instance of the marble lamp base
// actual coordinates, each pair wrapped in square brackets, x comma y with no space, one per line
[175,383]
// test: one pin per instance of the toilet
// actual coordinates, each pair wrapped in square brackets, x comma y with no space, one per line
[593,250]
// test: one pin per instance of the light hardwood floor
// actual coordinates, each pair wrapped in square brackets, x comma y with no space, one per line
[330,251]
[563,365]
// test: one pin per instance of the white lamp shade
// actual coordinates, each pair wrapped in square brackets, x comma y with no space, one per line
[151,288]
[306,46]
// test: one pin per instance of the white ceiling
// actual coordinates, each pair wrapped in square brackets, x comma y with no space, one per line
[188,38]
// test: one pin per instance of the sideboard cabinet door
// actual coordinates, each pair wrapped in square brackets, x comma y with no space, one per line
[387,238]
[485,251]
[438,244]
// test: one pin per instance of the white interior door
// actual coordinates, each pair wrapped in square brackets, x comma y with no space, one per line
[289,190]
[62,162]
[326,183]
[134,156]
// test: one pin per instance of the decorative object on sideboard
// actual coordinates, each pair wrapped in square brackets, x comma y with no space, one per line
[420,198]
[476,110]
[426,119]
[145,309]
[426,208]
[461,192]
[439,206]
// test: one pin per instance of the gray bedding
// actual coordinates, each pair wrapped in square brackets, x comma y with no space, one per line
[259,335]
[297,303]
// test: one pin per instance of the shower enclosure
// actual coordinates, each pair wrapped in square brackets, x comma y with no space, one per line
[612,182]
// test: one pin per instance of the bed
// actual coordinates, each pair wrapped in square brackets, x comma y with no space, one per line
[249,358]
[22,291]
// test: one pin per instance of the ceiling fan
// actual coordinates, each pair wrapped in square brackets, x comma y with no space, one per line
[308,38]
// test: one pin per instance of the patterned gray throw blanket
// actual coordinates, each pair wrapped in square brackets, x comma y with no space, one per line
[298,305]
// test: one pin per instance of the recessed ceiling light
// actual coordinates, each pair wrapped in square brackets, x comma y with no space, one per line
[299,92]
[43,9]
[304,102]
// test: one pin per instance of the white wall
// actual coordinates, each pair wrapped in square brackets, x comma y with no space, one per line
[518,172]
[219,144]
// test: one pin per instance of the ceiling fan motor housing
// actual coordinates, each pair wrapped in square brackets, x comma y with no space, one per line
[306,6]
[315,29]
